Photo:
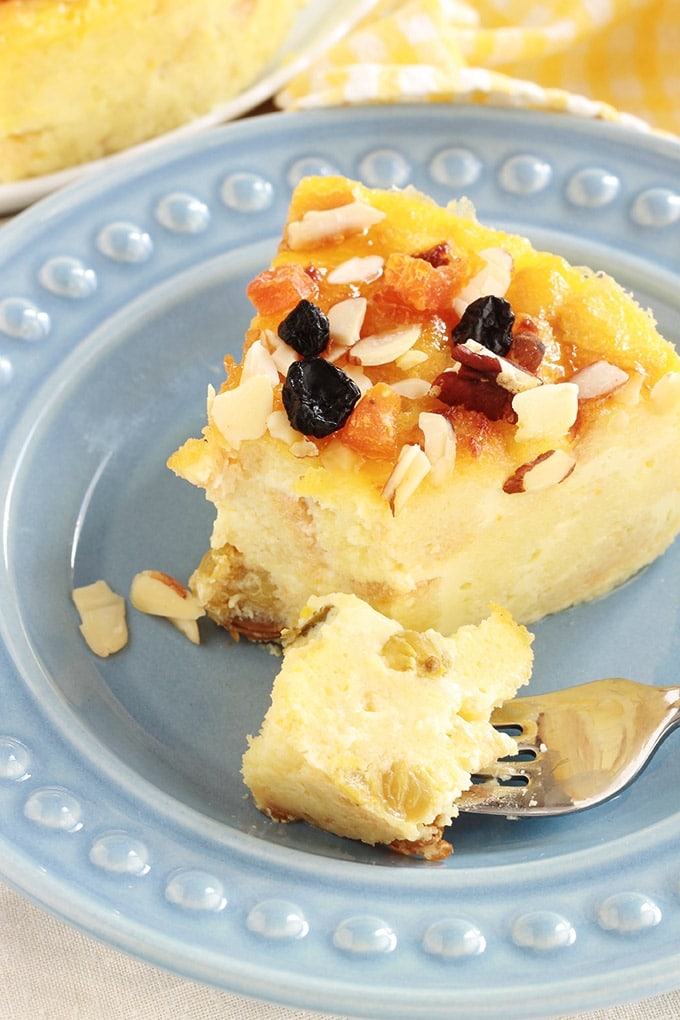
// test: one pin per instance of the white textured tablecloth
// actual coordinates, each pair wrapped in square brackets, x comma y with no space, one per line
[49,971]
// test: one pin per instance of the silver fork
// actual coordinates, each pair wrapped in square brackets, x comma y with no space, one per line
[576,747]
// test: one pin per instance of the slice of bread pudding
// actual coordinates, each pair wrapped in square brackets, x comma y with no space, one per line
[432,415]
[85,78]
[373,730]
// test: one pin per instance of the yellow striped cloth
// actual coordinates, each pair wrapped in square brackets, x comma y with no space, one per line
[612,59]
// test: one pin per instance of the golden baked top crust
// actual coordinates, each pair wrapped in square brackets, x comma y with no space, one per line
[421,400]
[432,312]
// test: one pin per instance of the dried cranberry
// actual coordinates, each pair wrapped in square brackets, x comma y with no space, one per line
[318,397]
[438,255]
[305,329]
[489,321]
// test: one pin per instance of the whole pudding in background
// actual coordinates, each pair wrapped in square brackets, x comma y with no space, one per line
[87,78]
[431,415]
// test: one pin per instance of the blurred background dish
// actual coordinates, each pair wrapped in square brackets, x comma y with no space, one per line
[58,126]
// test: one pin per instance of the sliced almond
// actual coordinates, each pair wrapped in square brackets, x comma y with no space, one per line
[304,448]
[242,413]
[319,225]
[411,468]
[279,427]
[412,388]
[102,614]
[409,360]
[334,352]
[666,392]
[630,393]
[382,348]
[258,360]
[550,468]
[281,353]
[493,279]
[546,411]
[598,380]
[345,319]
[358,377]
[358,269]
[159,594]
[439,445]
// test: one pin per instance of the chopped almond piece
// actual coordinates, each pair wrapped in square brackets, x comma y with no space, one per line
[440,444]
[102,613]
[548,410]
[187,627]
[158,594]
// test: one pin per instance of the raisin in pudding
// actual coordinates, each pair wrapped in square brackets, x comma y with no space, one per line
[432,415]
[373,730]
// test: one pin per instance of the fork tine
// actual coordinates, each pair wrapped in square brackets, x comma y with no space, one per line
[518,786]
[496,798]
[492,798]
[588,743]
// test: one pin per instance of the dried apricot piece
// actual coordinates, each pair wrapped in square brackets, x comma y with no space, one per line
[414,281]
[281,288]
[372,427]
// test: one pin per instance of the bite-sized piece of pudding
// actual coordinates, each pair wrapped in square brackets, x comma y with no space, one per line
[432,415]
[374,731]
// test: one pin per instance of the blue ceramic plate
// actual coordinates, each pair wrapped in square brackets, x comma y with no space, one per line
[121,805]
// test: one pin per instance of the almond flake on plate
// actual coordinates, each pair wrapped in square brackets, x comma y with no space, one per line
[102,614]
[158,594]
